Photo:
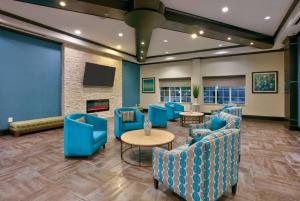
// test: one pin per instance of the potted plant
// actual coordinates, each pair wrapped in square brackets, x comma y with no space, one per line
[195,93]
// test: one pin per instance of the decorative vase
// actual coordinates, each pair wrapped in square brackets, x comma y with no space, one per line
[147,128]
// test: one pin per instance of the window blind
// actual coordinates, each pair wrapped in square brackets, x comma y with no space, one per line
[175,82]
[225,81]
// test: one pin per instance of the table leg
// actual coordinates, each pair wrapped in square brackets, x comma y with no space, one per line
[121,151]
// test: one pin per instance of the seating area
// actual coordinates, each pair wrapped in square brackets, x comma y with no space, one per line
[161,100]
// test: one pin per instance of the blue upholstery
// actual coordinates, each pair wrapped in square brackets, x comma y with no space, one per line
[173,110]
[202,171]
[83,139]
[157,115]
[121,127]
[234,110]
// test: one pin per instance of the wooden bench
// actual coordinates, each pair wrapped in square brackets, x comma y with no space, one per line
[21,127]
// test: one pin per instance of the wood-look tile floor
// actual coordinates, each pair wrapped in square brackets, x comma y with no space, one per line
[33,167]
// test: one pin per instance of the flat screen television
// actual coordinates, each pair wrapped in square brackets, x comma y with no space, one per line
[98,75]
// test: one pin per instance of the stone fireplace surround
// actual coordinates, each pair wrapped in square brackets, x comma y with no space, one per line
[75,94]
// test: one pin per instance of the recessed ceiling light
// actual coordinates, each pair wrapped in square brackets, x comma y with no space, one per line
[225,9]
[78,32]
[221,52]
[251,43]
[166,52]
[201,32]
[142,51]
[62,3]
[120,34]
[267,18]
[165,41]
[229,38]
[193,36]
[141,57]
[170,58]
[119,47]
[220,45]
[142,43]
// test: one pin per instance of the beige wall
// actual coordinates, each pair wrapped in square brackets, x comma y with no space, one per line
[75,95]
[256,104]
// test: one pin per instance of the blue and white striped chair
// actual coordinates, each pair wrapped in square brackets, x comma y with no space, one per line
[202,171]
[237,111]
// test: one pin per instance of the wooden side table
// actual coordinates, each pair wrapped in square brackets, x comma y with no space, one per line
[187,118]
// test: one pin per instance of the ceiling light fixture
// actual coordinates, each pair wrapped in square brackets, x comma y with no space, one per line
[225,9]
[62,3]
[77,32]
[142,43]
[251,43]
[142,51]
[165,41]
[120,34]
[201,32]
[193,36]
[119,47]
[229,38]
[166,52]
[220,45]
[221,52]
[170,58]
[141,57]
[267,18]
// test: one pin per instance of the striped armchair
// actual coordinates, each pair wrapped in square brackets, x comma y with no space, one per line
[237,111]
[202,171]
[196,130]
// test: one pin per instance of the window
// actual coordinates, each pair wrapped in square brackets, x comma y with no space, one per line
[175,90]
[224,90]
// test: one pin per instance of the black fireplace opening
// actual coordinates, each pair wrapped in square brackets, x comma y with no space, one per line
[97,105]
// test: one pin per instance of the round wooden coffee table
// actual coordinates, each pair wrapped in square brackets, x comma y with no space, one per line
[137,138]
[187,118]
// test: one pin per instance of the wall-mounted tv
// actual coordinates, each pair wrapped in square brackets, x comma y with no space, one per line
[98,75]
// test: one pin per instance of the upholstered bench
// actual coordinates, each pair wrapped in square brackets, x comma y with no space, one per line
[21,127]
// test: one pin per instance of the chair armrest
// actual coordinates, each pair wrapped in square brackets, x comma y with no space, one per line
[139,116]
[215,111]
[208,117]
[179,107]
[98,122]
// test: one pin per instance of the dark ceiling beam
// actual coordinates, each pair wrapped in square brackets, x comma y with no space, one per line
[188,23]
[116,9]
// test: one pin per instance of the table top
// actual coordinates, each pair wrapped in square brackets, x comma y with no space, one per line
[192,114]
[138,137]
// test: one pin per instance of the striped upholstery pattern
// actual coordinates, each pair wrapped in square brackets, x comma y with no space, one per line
[128,116]
[196,130]
[203,171]
[237,111]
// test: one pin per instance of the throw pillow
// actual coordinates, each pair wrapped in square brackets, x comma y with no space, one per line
[217,123]
[196,139]
[128,116]
[81,119]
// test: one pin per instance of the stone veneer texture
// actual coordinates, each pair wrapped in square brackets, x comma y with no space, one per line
[75,95]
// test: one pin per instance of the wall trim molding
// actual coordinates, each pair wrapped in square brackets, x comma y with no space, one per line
[212,57]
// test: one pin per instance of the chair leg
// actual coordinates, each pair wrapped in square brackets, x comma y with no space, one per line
[155,183]
[234,188]
[103,146]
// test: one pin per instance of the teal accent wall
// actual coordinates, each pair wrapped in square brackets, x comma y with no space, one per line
[130,84]
[30,74]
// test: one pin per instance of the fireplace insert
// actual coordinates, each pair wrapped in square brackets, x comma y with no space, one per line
[97,105]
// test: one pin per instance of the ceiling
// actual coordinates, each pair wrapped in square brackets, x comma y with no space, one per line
[242,13]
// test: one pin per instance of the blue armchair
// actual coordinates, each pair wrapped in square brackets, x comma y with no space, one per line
[203,170]
[234,110]
[121,127]
[173,110]
[84,138]
[157,115]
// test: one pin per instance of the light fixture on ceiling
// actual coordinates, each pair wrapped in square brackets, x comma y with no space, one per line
[165,41]
[267,18]
[62,3]
[166,52]
[170,58]
[201,32]
[220,45]
[141,57]
[142,51]
[120,34]
[77,32]
[142,43]
[119,47]
[229,38]
[193,36]
[251,43]
[221,52]
[225,9]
